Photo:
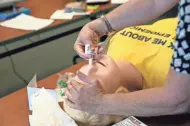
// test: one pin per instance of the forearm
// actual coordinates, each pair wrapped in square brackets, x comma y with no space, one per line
[136,12]
[150,102]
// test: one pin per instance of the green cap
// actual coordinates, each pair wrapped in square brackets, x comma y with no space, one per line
[62,93]
[62,83]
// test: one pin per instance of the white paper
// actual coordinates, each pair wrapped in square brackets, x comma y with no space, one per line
[26,22]
[32,90]
[47,111]
[31,120]
[118,1]
[60,14]
[96,1]
[80,13]
[33,82]
[130,121]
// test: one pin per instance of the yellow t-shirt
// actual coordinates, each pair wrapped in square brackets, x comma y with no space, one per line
[149,48]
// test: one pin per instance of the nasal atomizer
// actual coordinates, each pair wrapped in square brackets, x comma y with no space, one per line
[90,52]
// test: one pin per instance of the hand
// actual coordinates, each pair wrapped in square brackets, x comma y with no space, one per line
[86,98]
[90,34]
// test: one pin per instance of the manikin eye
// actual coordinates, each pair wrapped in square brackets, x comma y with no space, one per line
[101,63]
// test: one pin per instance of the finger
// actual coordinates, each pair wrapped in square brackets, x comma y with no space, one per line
[76,87]
[72,89]
[70,103]
[94,37]
[102,44]
[83,77]
[80,50]
[69,74]
[101,50]
[69,95]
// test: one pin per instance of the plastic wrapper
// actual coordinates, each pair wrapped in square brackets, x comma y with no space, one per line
[62,83]
[75,7]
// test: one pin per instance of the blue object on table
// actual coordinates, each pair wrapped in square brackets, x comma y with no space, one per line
[11,14]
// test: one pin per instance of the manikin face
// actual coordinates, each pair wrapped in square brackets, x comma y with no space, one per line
[105,71]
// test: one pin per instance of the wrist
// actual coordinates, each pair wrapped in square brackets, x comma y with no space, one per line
[104,105]
[107,24]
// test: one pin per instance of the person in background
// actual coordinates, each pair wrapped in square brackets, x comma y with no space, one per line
[172,98]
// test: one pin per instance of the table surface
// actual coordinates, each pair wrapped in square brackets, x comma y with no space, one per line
[14,109]
[41,9]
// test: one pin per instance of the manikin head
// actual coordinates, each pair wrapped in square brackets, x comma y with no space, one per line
[107,73]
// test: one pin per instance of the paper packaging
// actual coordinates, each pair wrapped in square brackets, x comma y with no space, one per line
[33,82]
[60,14]
[32,88]
[31,91]
[96,1]
[130,121]
[47,112]
[27,22]
[118,1]
[45,108]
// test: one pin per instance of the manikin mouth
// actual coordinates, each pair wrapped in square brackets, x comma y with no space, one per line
[83,77]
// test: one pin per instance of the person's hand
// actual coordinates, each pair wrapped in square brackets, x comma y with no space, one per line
[90,34]
[86,98]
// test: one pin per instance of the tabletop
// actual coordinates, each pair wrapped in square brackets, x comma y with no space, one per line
[41,9]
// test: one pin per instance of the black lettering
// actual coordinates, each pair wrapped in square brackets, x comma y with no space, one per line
[155,41]
[159,34]
[129,34]
[135,36]
[142,30]
[171,46]
[132,27]
[159,41]
[147,39]
[162,42]
[174,38]
[150,32]
[141,38]
[124,33]
[167,35]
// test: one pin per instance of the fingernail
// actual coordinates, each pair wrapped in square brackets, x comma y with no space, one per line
[69,86]
[70,83]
